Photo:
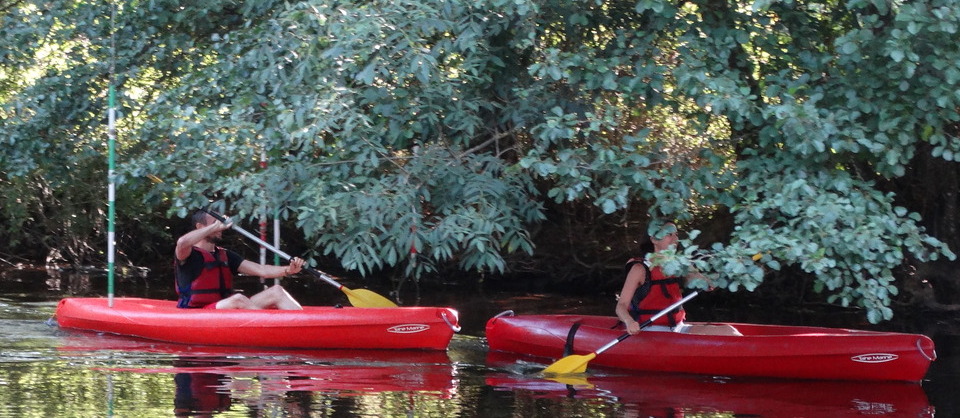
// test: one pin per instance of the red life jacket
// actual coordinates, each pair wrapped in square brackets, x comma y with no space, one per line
[215,281]
[647,301]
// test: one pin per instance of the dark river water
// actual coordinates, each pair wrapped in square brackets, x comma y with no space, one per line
[49,372]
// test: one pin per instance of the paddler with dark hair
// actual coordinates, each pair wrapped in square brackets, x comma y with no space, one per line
[647,290]
[204,271]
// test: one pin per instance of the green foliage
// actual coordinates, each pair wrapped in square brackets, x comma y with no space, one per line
[422,215]
[417,134]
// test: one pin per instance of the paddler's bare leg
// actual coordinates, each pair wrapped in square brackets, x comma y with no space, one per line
[713,329]
[274,297]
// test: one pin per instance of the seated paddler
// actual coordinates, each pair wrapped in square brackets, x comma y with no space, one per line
[647,290]
[204,271]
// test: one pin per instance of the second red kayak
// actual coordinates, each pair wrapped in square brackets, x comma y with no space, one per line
[312,328]
[796,352]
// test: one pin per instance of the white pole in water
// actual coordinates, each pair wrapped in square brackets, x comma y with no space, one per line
[111,151]
[111,198]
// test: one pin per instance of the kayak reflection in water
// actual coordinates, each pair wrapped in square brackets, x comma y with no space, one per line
[198,395]
[647,291]
[204,271]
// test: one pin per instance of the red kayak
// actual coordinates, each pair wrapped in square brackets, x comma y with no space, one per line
[312,328]
[795,352]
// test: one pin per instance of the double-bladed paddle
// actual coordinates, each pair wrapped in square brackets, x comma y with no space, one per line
[578,363]
[361,298]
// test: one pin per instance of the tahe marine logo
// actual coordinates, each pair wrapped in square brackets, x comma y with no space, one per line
[408,328]
[874,358]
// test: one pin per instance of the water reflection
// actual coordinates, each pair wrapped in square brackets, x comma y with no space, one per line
[198,394]
[210,380]
[46,371]
[220,381]
[673,395]
[205,387]
[291,390]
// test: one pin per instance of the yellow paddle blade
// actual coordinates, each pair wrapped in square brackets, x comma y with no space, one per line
[363,298]
[570,364]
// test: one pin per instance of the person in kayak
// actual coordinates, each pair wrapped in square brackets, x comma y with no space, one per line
[647,290]
[204,271]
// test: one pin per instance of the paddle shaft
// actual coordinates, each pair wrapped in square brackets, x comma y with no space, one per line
[279,252]
[647,323]
[578,363]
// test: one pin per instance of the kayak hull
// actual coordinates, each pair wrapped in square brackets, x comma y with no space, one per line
[794,352]
[314,327]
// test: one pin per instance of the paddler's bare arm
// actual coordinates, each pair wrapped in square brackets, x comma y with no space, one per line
[635,278]
[186,242]
[268,271]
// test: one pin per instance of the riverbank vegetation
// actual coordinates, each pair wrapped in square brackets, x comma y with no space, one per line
[795,141]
